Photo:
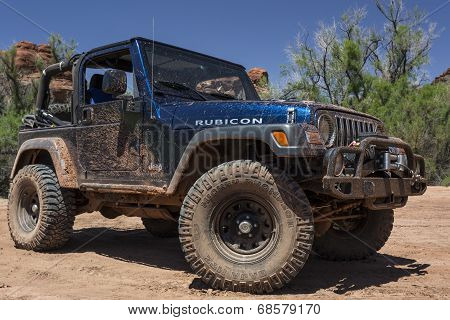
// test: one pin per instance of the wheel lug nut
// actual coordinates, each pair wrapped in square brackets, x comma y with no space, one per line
[250,235]
[34,208]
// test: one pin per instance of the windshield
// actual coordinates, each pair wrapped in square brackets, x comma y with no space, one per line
[180,74]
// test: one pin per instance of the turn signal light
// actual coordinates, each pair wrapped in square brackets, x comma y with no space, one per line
[281,138]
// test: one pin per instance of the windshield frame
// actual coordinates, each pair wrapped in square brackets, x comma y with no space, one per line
[250,91]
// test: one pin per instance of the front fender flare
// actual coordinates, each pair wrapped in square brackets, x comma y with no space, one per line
[62,161]
[299,146]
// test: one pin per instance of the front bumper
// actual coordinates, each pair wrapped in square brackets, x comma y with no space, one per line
[378,193]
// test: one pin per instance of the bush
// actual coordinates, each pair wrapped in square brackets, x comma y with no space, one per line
[418,115]
[10,122]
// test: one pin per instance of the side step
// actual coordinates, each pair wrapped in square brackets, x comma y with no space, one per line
[122,188]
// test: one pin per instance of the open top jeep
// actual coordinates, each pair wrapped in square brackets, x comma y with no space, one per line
[183,141]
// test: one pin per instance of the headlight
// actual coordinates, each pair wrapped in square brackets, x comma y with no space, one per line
[327,130]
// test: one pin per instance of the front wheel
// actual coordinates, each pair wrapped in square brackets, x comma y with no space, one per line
[245,228]
[40,212]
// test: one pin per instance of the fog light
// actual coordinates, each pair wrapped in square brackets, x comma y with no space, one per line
[339,165]
[281,138]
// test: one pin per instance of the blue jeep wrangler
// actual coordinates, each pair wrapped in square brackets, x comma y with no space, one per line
[182,140]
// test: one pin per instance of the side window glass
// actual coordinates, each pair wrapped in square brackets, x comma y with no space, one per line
[94,72]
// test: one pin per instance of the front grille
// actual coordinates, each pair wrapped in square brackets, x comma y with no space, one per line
[350,129]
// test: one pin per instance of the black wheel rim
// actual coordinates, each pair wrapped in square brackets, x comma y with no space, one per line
[245,228]
[29,208]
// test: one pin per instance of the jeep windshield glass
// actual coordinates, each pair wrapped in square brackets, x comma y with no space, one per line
[206,77]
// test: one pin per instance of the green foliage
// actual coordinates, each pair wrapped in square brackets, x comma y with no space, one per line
[378,72]
[17,98]
[406,42]
[334,67]
[446,181]
[61,49]
[9,128]
[419,116]
[22,96]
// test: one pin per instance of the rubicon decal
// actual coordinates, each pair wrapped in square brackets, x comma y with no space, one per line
[219,122]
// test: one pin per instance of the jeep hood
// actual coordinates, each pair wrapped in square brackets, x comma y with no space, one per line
[203,114]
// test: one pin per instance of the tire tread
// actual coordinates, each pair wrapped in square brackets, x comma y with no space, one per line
[57,210]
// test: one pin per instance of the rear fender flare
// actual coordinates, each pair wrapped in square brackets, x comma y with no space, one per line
[59,152]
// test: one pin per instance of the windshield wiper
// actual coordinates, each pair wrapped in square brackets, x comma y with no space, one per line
[221,95]
[180,87]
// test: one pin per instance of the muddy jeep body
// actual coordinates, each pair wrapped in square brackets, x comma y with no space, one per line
[148,157]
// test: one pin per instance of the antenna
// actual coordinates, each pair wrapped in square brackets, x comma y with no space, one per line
[153,54]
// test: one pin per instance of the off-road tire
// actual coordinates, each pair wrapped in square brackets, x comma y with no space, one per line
[285,200]
[161,228]
[358,244]
[54,223]
[57,108]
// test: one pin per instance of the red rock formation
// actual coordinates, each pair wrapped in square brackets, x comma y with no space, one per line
[27,55]
[260,79]
[45,53]
[257,75]
[25,58]
[444,77]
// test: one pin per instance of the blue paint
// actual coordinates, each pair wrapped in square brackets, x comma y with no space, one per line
[187,114]
[142,71]
[225,113]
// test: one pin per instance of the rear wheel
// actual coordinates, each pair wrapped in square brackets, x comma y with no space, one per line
[356,239]
[245,228]
[40,212]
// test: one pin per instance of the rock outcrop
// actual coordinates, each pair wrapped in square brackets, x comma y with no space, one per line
[260,79]
[444,77]
[28,54]
[28,60]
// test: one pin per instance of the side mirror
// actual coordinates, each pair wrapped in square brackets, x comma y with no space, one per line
[114,82]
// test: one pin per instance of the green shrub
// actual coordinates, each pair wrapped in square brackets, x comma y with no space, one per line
[9,128]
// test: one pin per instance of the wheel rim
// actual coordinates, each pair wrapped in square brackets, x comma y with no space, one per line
[245,228]
[29,208]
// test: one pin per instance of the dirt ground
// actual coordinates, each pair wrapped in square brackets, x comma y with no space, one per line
[117,259]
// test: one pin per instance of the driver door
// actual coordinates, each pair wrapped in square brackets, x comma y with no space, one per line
[108,135]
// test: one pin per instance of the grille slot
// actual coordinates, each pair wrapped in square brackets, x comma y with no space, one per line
[350,129]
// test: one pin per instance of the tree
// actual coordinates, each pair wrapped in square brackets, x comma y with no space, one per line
[406,42]
[334,67]
[21,96]
[419,116]
[18,98]
[340,64]
[378,72]
[61,50]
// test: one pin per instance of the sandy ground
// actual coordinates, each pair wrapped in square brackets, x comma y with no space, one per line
[117,259]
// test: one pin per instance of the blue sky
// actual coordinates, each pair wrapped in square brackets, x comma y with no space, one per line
[252,33]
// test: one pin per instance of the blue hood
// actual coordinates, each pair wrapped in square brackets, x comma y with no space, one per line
[205,114]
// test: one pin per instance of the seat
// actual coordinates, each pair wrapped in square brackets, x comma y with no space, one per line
[95,91]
